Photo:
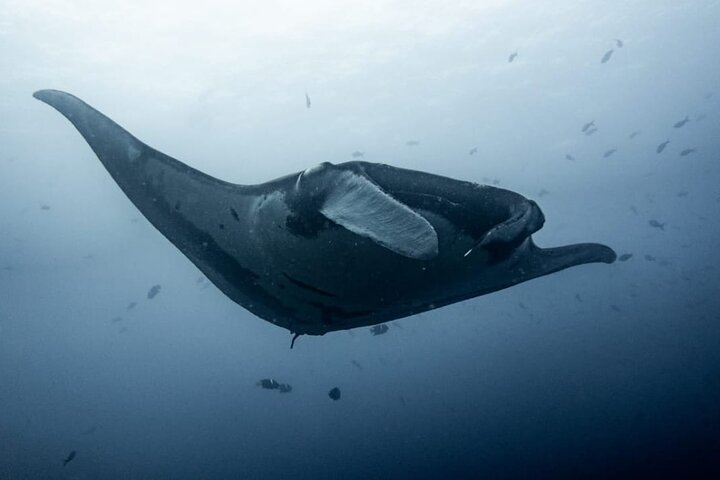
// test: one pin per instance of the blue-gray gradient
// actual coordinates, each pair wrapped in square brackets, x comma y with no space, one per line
[118,359]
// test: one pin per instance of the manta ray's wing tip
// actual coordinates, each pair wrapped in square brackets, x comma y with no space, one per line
[43,95]
[48,95]
[596,253]
[606,254]
[559,258]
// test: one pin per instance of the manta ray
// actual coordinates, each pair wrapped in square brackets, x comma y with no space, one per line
[333,247]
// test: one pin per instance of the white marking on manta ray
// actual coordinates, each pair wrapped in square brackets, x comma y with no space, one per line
[360,206]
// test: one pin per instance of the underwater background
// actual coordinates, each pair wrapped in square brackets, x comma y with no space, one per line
[119,360]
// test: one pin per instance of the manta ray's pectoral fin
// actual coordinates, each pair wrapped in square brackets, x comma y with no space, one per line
[544,261]
[524,221]
[357,204]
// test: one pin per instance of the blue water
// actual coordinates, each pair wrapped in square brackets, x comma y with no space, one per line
[596,371]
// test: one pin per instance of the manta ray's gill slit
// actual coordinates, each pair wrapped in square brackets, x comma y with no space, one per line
[308,287]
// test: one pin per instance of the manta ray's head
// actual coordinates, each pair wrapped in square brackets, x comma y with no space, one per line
[476,238]
[484,232]
[408,241]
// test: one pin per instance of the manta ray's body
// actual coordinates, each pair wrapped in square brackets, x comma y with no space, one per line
[336,246]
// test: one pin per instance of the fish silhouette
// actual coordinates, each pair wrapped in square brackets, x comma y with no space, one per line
[605,58]
[682,122]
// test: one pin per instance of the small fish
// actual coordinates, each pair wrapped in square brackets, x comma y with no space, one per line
[272,384]
[588,125]
[655,224]
[154,290]
[682,122]
[662,146]
[634,134]
[708,95]
[700,117]
[634,209]
[379,329]
[334,393]
[609,152]
[268,384]
[512,57]
[45,207]
[687,151]
[131,305]
[649,258]
[357,364]
[625,257]
[591,131]
[615,307]
[358,154]
[122,330]
[522,305]
[200,280]
[569,157]
[69,458]
[117,319]
[412,143]
[308,103]
[90,430]
[542,193]
[619,43]
[578,298]
[605,58]
[473,151]
[682,194]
